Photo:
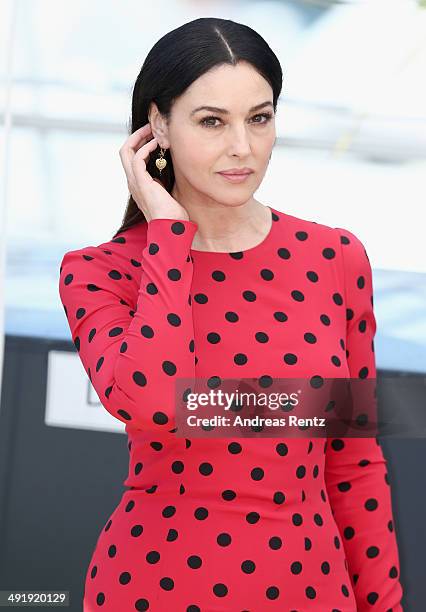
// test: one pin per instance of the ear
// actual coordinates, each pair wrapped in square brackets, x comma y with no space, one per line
[158,126]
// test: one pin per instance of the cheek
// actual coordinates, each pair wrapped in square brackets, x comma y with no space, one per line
[198,159]
[190,147]
[265,144]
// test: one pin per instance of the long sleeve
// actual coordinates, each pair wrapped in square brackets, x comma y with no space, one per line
[356,475]
[134,339]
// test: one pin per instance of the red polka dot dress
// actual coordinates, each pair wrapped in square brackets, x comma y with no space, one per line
[222,524]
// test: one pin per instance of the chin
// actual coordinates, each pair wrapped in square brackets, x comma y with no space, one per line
[233,196]
[236,198]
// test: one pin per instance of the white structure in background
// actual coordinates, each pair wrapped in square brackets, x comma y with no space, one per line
[71,400]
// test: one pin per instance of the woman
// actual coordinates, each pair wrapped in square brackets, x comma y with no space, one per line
[203,280]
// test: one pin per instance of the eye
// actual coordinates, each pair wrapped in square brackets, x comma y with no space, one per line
[203,122]
[267,116]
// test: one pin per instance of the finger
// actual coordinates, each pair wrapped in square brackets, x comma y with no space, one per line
[145,149]
[126,156]
[127,152]
[144,142]
[138,161]
[135,138]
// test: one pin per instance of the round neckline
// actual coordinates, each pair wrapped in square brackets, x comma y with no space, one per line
[251,249]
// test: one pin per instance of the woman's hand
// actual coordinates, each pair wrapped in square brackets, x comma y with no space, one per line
[149,194]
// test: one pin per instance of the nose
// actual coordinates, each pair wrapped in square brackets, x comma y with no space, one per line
[239,141]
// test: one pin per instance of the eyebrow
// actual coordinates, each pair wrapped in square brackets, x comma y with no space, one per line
[215,109]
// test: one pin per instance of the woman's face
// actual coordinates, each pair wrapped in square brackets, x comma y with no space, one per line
[204,142]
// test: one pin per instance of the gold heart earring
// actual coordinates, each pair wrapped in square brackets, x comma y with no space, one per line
[160,162]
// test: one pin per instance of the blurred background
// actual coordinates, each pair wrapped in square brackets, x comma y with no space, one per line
[350,152]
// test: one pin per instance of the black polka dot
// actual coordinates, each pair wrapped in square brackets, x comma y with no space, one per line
[296,567]
[178,227]
[371,504]
[310,592]
[124,578]
[220,589]
[272,592]
[167,583]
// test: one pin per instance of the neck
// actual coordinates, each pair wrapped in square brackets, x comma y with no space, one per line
[227,227]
